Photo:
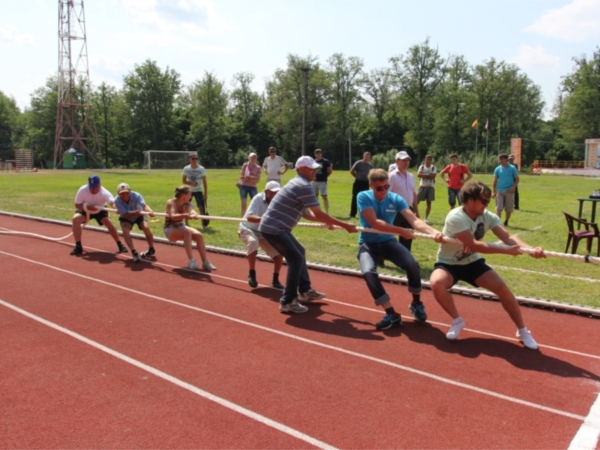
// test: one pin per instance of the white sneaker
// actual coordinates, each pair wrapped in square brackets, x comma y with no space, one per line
[311,295]
[425,220]
[206,265]
[293,307]
[193,265]
[527,339]
[457,325]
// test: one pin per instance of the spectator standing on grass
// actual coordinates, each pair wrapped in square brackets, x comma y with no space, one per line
[194,176]
[402,182]
[130,206]
[463,261]
[249,177]
[320,183]
[295,200]
[511,161]
[179,209]
[252,238]
[360,172]
[506,179]
[455,175]
[274,166]
[426,173]
[378,209]
[92,197]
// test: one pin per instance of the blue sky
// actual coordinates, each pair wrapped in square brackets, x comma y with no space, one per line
[230,36]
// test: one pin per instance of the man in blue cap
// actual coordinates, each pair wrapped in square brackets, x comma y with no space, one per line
[90,199]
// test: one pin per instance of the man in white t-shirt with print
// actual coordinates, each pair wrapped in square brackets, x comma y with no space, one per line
[89,199]
[194,175]
[462,261]
[427,173]
[274,166]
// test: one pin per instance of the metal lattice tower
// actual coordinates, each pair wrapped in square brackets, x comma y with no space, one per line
[75,126]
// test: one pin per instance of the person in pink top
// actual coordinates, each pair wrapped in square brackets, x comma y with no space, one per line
[455,175]
[249,177]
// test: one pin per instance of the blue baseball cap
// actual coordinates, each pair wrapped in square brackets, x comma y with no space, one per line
[93,181]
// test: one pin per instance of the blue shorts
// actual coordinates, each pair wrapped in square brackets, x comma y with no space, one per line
[199,196]
[246,191]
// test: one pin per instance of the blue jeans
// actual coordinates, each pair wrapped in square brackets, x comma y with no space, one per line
[453,196]
[294,254]
[392,250]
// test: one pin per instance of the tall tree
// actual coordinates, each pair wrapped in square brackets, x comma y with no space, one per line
[9,119]
[419,74]
[151,94]
[209,127]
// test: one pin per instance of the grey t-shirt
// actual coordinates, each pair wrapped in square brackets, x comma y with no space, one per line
[362,170]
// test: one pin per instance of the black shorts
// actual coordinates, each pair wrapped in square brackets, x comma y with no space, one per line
[469,272]
[139,220]
[199,196]
[98,216]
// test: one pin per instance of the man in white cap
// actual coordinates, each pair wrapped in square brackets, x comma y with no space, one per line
[402,182]
[89,200]
[130,205]
[295,200]
[252,238]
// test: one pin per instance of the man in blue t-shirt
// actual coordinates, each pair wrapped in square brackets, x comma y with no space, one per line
[295,200]
[378,208]
[130,206]
[320,183]
[506,179]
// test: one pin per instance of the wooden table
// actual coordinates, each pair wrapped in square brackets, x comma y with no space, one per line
[594,202]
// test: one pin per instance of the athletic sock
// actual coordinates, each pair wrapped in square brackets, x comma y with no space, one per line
[275,277]
[416,299]
[390,310]
[78,244]
[252,273]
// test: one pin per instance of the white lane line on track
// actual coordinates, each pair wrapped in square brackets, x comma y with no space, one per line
[317,343]
[589,432]
[365,308]
[176,381]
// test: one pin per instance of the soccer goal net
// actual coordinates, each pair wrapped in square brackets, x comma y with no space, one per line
[165,159]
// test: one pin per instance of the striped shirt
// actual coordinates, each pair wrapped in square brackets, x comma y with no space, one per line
[285,210]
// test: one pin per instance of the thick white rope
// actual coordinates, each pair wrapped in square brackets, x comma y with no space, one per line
[529,251]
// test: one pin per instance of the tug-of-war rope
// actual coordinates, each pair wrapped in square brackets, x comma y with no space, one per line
[545,304]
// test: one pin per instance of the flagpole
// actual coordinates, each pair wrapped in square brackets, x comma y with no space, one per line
[476,145]
[498,135]
[487,136]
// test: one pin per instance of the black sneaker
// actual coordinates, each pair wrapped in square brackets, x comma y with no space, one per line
[389,321]
[277,285]
[76,251]
[418,312]
[122,248]
[506,223]
[148,253]
[252,281]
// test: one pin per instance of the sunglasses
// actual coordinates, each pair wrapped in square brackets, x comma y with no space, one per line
[194,159]
[382,188]
[484,201]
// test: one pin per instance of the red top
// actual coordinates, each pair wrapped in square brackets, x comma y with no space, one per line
[455,175]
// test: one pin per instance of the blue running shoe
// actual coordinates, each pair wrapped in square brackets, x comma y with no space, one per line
[389,321]
[418,312]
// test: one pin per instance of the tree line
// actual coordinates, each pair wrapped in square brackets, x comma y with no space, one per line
[422,102]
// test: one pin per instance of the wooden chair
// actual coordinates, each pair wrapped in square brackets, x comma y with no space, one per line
[589,233]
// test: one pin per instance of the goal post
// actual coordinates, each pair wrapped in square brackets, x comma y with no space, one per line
[166,159]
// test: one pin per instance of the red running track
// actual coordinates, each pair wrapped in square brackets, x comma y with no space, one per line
[99,352]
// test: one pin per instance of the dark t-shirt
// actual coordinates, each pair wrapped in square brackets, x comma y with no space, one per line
[322,173]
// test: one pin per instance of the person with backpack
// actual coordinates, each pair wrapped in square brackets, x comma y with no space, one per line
[426,173]
[456,175]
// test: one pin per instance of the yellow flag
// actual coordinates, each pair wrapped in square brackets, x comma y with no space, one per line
[475,124]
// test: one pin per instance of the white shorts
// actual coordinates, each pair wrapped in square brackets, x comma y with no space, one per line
[169,230]
[320,187]
[254,239]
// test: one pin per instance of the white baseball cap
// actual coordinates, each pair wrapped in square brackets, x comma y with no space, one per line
[251,155]
[123,187]
[402,155]
[272,186]
[307,161]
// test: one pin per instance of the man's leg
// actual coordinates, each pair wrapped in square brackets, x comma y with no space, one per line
[126,228]
[78,220]
[441,281]
[509,205]
[355,191]
[114,233]
[491,281]
[400,221]
[325,203]
[147,234]
[517,197]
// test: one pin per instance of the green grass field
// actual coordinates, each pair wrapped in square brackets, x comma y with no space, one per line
[540,222]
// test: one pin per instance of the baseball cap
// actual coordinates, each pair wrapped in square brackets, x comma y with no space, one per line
[402,155]
[123,187]
[94,181]
[272,186]
[251,155]
[307,161]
